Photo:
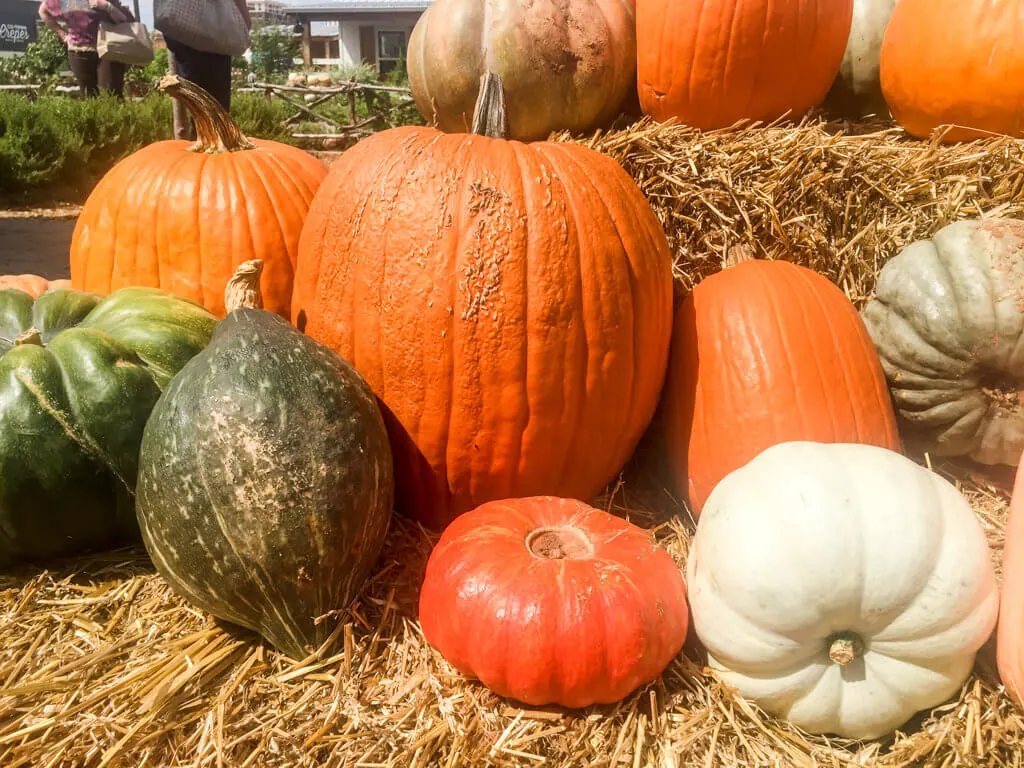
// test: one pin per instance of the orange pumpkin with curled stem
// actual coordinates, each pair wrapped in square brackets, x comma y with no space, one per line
[182,216]
[548,600]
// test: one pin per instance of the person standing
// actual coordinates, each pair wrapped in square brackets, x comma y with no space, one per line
[207,63]
[77,24]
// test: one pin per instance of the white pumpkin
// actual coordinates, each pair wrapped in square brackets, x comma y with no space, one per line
[857,90]
[842,587]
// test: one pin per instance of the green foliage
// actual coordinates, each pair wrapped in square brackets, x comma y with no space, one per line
[273,51]
[148,75]
[42,62]
[260,118]
[64,145]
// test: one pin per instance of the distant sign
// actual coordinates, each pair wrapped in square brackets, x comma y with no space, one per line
[17,24]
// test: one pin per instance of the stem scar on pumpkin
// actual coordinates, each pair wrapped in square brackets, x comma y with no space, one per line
[845,648]
[216,132]
[31,336]
[559,543]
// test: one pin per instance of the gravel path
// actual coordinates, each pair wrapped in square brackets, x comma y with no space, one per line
[36,242]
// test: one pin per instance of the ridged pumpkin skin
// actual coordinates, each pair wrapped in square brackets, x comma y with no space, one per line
[547,600]
[182,217]
[265,483]
[955,62]
[33,285]
[711,63]
[947,319]
[509,303]
[1010,630]
[74,400]
[565,64]
[768,352]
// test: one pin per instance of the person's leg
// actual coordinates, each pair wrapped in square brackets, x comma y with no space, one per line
[111,77]
[210,71]
[85,67]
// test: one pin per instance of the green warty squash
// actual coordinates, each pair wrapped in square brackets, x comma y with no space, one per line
[266,481]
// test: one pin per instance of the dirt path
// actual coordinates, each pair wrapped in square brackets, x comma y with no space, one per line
[36,242]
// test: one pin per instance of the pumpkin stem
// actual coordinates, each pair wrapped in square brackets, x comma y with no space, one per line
[490,117]
[845,648]
[738,254]
[31,336]
[215,130]
[557,543]
[243,289]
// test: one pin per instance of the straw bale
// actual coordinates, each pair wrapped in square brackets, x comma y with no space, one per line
[101,665]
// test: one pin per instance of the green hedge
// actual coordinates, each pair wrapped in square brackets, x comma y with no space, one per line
[57,148]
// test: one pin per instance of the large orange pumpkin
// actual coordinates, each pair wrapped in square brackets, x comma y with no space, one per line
[768,352]
[955,62]
[182,217]
[33,285]
[508,303]
[711,63]
[1010,629]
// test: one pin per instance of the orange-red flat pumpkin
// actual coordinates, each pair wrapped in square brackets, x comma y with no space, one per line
[510,305]
[768,352]
[182,216]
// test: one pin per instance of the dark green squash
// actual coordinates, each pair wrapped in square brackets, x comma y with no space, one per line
[79,375]
[266,481]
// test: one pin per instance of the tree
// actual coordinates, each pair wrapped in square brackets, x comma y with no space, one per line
[43,60]
[273,51]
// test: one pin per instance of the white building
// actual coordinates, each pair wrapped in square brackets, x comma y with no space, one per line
[346,32]
[266,10]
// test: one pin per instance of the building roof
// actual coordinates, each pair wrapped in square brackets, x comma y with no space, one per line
[362,6]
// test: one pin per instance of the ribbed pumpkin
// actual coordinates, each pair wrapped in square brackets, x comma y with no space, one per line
[1010,630]
[183,216]
[33,285]
[710,63]
[548,601]
[564,64]
[509,303]
[767,352]
[265,478]
[955,62]
[947,319]
[78,378]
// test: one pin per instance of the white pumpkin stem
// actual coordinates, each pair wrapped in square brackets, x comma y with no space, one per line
[845,649]
[243,289]
[31,336]
[490,116]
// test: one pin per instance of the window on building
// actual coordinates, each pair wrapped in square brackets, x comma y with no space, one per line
[324,48]
[390,50]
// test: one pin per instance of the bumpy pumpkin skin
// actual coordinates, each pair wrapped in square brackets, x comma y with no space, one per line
[564,64]
[33,285]
[182,217]
[955,62]
[857,91]
[766,352]
[810,544]
[73,405]
[583,617]
[711,63]
[510,305]
[947,318]
[265,482]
